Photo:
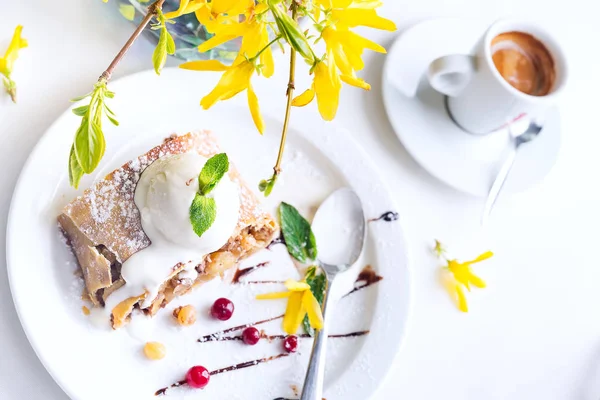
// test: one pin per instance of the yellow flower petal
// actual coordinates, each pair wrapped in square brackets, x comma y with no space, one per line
[484,256]
[294,313]
[255,110]
[204,65]
[17,43]
[296,286]
[360,42]
[341,3]
[454,290]
[230,6]
[461,299]
[233,81]
[313,309]
[273,296]
[260,8]
[367,4]
[477,281]
[174,14]
[215,41]
[205,17]
[355,81]
[327,87]
[304,98]
[333,43]
[352,17]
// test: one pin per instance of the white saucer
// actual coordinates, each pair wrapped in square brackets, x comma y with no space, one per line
[417,113]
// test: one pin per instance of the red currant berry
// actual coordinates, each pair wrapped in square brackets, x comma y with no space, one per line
[290,344]
[222,309]
[197,377]
[251,336]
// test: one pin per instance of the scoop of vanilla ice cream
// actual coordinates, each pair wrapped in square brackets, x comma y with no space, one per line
[164,195]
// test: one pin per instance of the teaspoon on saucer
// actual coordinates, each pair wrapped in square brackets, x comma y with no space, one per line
[531,131]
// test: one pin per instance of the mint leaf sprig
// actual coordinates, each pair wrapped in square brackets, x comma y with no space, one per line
[166,44]
[89,144]
[203,210]
[299,238]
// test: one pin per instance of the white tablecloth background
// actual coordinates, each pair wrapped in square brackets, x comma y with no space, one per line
[534,333]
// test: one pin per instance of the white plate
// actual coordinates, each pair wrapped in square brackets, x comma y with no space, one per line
[89,363]
[418,115]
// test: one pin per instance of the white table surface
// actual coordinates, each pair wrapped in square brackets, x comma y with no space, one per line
[534,333]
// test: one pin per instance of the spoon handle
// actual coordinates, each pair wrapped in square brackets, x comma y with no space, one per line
[313,382]
[497,185]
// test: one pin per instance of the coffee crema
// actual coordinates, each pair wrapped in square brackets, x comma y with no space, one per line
[524,62]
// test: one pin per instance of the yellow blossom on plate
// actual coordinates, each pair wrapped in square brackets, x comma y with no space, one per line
[457,275]
[7,62]
[301,302]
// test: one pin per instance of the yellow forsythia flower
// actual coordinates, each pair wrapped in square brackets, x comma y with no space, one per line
[456,275]
[234,80]
[301,302]
[326,86]
[7,62]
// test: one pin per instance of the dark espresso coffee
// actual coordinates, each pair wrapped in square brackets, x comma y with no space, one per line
[524,62]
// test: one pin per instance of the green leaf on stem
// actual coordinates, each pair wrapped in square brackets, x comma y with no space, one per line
[170,43]
[75,171]
[89,145]
[81,111]
[291,31]
[159,57]
[266,185]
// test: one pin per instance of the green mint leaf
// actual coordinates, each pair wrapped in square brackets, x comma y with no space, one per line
[203,212]
[170,43]
[299,238]
[212,172]
[159,57]
[81,111]
[89,145]
[317,285]
[75,171]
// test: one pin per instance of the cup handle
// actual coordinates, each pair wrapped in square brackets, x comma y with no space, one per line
[451,74]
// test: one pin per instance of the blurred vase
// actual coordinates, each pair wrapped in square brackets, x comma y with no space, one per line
[187,32]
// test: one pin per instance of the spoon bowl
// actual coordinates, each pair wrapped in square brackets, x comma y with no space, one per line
[339,227]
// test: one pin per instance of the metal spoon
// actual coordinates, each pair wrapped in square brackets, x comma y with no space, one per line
[340,229]
[517,139]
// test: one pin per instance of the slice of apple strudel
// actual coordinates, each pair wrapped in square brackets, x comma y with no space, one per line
[132,234]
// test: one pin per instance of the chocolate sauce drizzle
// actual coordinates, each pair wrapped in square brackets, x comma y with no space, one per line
[242,272]
[208,338]
[277,240]
[245,364]
[218,338]
[366,278]
[387,216]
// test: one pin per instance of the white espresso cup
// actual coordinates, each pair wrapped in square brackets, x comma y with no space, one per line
[480,100]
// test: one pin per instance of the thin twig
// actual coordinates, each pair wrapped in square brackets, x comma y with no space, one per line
[288,108]
[152,11]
